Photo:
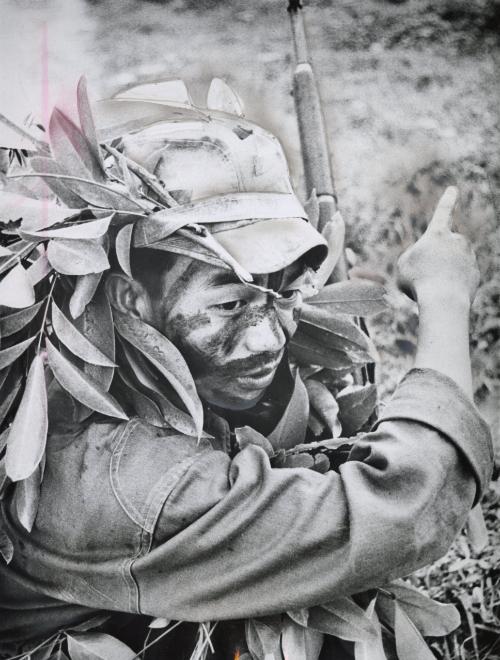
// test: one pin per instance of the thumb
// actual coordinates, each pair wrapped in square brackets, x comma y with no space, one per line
[443,215]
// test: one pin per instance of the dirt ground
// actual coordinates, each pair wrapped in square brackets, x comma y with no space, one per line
[411,99]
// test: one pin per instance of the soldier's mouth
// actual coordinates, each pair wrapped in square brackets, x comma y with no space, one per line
[258,378]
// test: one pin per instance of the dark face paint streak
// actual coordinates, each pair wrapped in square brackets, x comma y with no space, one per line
[249,317]
[177,289]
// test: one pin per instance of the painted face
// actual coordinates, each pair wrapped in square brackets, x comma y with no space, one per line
[231,335]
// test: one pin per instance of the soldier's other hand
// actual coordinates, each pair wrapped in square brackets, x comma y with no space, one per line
[441,261]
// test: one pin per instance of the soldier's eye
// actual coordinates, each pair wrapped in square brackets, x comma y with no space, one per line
[232,305]
[289,294]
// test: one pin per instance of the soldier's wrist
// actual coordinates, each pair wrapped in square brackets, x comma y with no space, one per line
[438,294]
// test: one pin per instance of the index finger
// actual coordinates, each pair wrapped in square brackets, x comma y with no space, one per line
[443,215]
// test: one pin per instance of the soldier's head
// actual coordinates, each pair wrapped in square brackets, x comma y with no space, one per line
[239,217]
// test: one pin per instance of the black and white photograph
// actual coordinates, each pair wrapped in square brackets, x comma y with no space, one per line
[249,330]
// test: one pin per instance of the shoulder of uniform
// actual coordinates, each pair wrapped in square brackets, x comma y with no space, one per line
[146,463]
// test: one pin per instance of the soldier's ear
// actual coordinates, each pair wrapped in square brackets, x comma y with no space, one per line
[128,296]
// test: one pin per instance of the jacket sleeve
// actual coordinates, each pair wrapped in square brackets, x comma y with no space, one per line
[237,538]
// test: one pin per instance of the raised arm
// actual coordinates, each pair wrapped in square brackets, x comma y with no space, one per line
[441,273]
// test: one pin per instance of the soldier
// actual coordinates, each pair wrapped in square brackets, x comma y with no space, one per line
[137,518]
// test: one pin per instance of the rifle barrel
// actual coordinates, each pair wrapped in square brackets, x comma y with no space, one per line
[313,137]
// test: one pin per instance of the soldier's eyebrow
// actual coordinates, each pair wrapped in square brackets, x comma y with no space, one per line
[229,277]
[222,277]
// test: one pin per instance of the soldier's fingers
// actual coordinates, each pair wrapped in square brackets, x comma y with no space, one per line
[443,215]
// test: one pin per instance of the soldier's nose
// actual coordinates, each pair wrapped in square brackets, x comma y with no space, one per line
[265,335]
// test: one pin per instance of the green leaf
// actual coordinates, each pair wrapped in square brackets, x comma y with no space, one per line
[76,341]
[308,350]
[299,461]
[122,247]
[164,223]
[159,225]
[159,622]
[71,148]
[291,428]
[80,386]
[152,183]
[28,433]
[82,231]
[145,407]
[356,404]
[3,375]
[354,297]
[27,497]
[373,649]
[16,289]
[63,406]
[410,645]
[20,249]
[4,479]
[314,424]
[3,439]
[263,640]
[300,643]
[171,415]
[112,196]
[59,655]
[166,358]
[433,619]
[124,165]
[93,622]
[477,532]
[85,288]
[338,333]
[16,321]
[47,651]
[98,646]
[6,546]
[9,396]
[77,257]
[35,213]
[58,187]
[15,137]
[221,97]
[299,616]
[9,355]
[96,324]
[334,233]
[342,618]
[39,269]
[323,402]
[87,120]
[345,607]
[246,435]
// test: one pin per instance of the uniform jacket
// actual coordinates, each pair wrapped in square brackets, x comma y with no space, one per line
[144,521]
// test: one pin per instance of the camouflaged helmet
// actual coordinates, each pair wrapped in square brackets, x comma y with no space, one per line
[222,170]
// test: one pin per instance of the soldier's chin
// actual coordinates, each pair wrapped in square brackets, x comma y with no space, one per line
[239,398]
